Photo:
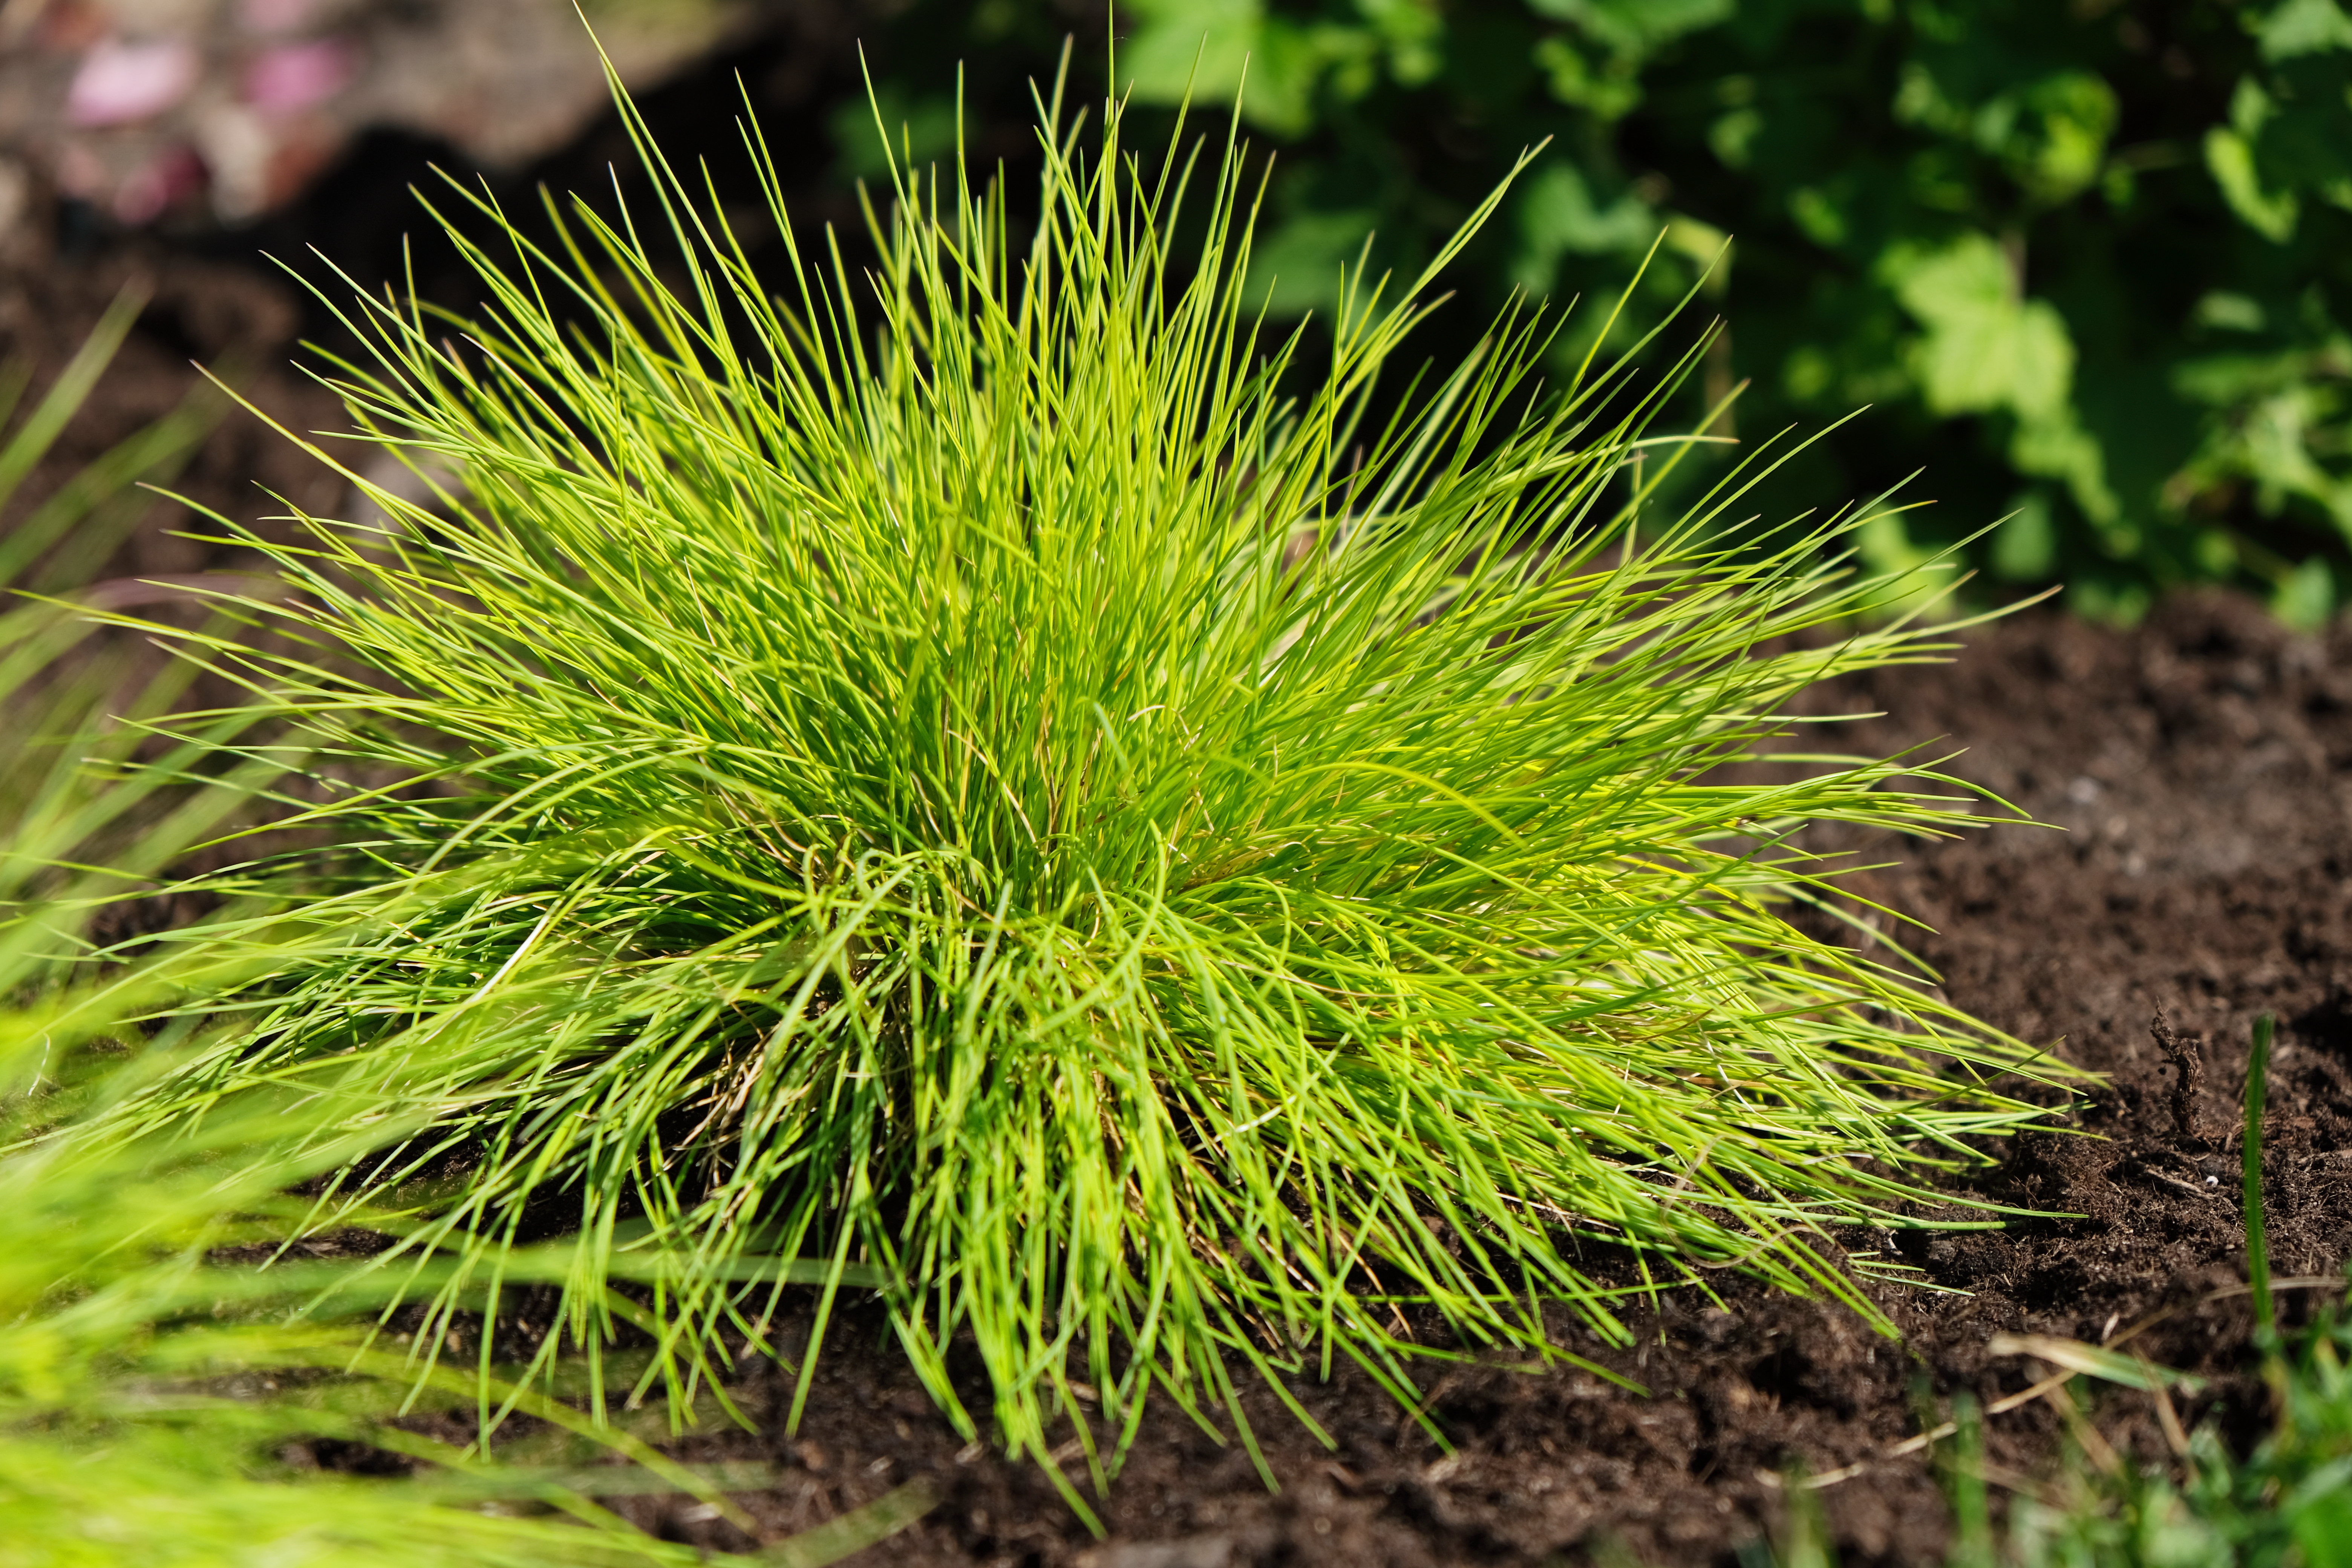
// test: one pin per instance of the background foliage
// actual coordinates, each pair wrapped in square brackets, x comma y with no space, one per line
[2087,260]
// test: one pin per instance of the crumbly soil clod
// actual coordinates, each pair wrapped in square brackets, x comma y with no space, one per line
[2189,1069]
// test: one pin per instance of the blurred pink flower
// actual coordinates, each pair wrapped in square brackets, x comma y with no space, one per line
[121,80]
[298,76]
[174,172]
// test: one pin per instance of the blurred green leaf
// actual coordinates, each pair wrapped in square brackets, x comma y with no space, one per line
[1559,216]
[1297,268]
[2269,214]
[1985,348]
[919,129]
[2303,27]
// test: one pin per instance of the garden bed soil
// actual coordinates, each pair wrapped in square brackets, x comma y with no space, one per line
[2195,772]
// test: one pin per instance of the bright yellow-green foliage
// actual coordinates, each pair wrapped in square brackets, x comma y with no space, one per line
[151,1390]
[950,783]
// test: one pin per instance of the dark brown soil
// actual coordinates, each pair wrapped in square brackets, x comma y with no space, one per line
[2198,771]
[237,320]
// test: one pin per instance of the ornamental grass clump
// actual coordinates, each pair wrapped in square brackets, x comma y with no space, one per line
[991,781]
